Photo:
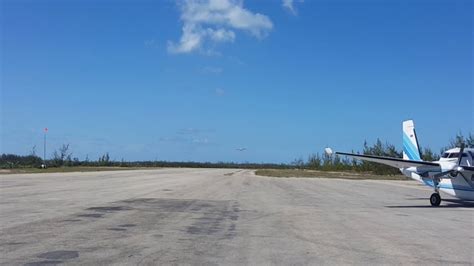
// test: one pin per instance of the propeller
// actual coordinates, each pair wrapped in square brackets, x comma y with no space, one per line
[460,153]
[453,172]
[457,169]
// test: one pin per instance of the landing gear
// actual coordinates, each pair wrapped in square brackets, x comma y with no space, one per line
[435,199]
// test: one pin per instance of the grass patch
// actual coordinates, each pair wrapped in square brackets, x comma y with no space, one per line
[232,173]
[69,169]
[326,174]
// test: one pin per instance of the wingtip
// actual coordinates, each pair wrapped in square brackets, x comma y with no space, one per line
[328,151]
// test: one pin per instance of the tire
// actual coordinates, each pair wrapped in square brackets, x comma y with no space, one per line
[435,199]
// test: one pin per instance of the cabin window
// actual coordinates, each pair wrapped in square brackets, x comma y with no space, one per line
[445,155]
[456,154]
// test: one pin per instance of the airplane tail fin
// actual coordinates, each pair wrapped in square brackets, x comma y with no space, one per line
[411,150]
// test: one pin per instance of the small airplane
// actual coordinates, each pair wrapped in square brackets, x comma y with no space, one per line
[453,173]
[241,149]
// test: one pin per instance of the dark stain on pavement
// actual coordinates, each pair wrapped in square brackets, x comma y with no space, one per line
[117,229]
[109,209]
[44,263]
[215,219]
[12,243]
[127,225]
[162,205]
[72,220]
[54,257]
[91,215]
[59,255]
[212,218]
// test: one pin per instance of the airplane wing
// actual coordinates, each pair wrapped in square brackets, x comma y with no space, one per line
[469,168]
[390,161]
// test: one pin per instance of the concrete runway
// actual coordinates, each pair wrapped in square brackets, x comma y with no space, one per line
[222,216]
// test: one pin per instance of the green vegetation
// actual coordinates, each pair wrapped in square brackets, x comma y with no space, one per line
[10,161]
[326,174]
[67,169]
[62,160]
[324,162]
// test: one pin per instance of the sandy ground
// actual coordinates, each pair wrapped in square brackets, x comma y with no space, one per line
[222,216]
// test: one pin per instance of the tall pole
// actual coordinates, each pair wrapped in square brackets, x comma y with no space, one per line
[44,147]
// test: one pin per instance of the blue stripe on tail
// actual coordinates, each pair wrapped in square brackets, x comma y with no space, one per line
[410,149]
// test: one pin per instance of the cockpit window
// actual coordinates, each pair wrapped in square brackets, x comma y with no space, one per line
[453,155]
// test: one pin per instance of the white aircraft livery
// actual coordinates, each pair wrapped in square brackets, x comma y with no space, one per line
[452,174]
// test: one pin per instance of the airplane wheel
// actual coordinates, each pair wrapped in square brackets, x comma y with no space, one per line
[435,199]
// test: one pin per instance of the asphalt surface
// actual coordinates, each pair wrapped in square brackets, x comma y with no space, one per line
[226,217]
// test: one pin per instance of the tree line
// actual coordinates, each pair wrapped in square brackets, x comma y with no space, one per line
[63,157]
[324,162]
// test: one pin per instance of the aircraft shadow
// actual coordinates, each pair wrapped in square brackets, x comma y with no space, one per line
[446,203]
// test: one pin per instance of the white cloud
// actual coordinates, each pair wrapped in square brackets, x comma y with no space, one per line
[211,70]
[151,44]
[200,141]
[215,21]
[188,136]
[221,35]
[189,131]
[220,92]
[289,4]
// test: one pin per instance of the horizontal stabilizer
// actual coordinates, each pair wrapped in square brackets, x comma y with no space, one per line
[390,161]
[468,168]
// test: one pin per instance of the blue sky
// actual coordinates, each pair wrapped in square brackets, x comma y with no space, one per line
[194,80]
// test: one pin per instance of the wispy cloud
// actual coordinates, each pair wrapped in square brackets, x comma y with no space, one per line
[189,131]
[215,21]
[290,6]
[236,60]
[200,141]
[151,44]
[188,137]
[220,92]
[171,139]
[211,70]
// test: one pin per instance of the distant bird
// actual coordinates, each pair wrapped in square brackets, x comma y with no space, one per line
[241,149]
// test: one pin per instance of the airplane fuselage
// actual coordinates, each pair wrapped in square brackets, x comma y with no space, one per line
[460,186]
[453,173]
